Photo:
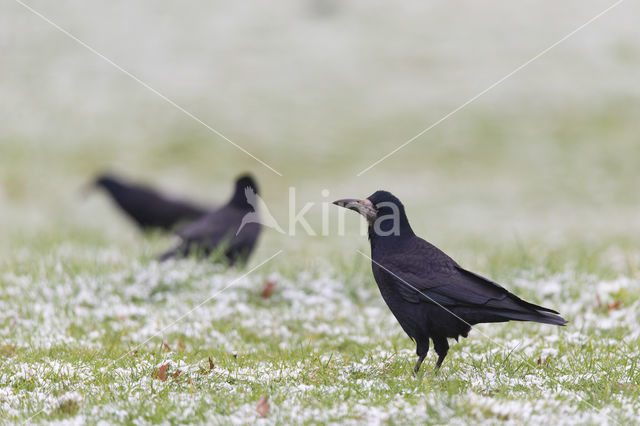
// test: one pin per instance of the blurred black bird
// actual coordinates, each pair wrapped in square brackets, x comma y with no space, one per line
[431,296]
[149,208]
[224,229]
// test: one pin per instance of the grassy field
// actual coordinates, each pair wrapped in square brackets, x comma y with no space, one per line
[87,328]
[534,185]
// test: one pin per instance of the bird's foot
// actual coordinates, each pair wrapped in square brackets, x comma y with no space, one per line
[416,368]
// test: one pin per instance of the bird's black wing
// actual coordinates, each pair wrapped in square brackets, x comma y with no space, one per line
[425,274]
[212,227]
[417,270]
[149,207]
[203,234]
[220,229]
[482,281]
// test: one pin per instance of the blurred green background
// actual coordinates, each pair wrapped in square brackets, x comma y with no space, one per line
[319,90]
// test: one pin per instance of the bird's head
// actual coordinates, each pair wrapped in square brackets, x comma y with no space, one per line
[243,182]
[383,211]
[105,181]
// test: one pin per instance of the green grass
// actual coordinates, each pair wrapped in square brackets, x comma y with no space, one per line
[80,324]
[87,316]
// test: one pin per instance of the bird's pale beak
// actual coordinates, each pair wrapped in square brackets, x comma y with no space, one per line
[364,207]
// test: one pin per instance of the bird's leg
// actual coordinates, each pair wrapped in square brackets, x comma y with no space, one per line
[441,345]
[422,348]
[418,364]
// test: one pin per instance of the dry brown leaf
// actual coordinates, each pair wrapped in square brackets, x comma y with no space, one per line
[162,372]
[175,375]
[7,350]
[262,407]
[269,287]
[614,305]
[181,346]
[211,365]
[167,347]
[626,386]
[544,362]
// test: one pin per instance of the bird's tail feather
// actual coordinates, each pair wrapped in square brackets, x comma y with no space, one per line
[167,255]
[548,318]
[534,316]
[170,254]
[475,316]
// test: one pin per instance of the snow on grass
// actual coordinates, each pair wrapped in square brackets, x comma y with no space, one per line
[83,343]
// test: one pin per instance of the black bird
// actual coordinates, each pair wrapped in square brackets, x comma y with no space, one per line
[224,229]
[431,296]
[149,208]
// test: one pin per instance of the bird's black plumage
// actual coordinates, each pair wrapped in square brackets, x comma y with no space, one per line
[147,207]
[431,296]
[223,229]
